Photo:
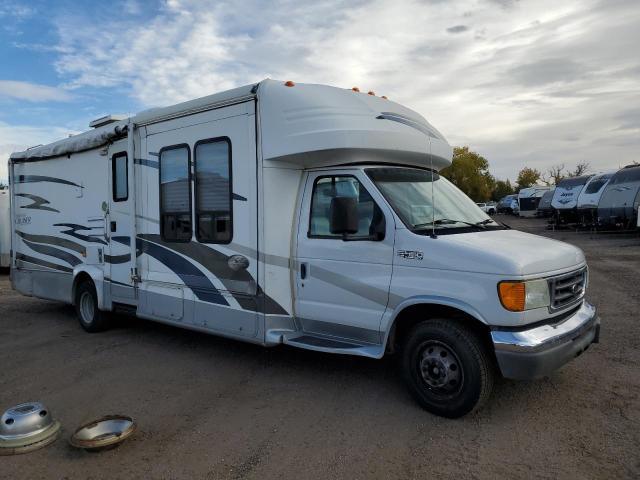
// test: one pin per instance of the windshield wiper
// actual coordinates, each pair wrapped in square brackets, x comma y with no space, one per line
[448,221]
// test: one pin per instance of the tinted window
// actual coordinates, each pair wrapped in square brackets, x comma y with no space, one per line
[119,177]
[595,185]
[370,217]
[175,194]
[213,191]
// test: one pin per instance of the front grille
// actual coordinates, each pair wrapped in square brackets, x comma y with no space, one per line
[568,288]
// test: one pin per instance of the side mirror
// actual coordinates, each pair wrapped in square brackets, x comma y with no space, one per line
[343,215]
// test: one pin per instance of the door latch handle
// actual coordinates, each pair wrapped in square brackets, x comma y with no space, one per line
[303,271]
[113,226]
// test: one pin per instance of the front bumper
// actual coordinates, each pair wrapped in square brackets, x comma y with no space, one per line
[533,353]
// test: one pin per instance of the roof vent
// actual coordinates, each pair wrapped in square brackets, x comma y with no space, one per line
[106,120]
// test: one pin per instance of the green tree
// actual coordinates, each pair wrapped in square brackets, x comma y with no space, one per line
[502,189]
[469,171]
[527,177]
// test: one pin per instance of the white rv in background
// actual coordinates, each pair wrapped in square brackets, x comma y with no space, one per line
[590,197]
[5,229]
[529,198]
[565,198]
[306,215]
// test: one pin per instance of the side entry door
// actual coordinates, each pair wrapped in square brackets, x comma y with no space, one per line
[342,285]
[118,225]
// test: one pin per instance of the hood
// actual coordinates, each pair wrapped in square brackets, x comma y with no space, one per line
[500,252]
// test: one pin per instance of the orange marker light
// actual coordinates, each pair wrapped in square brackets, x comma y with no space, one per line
[289,83]
[355,89]
[371,92]
[512,295]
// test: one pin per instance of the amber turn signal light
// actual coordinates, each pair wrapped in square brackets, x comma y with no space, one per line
[512,295]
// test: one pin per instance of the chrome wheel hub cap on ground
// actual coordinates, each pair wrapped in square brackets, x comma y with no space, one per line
[27,427]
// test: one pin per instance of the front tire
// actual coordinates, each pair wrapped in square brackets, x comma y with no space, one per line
[447,368]
[91,318]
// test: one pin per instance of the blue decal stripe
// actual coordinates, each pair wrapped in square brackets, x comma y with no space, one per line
[183,268]
[53,252]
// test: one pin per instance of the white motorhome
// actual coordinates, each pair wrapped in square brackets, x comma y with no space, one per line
[307,215]
[5,229]
[529,198]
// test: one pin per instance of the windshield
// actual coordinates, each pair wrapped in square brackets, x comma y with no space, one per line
[409,191]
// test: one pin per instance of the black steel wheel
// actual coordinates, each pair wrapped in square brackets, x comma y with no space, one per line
[447,368]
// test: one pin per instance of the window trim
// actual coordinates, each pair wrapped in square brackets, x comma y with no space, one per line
[195,185]
[350,238]
[189,181]
[113,176]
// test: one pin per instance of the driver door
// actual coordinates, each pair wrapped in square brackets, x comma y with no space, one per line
[342,283]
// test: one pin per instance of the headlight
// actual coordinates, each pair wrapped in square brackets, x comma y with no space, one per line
[520,296]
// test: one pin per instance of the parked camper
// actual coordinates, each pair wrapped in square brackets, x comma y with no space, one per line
[306,215]
[590,197]
[618,206]
[505,205]
[5,228]
[529,198]
[544,206]
[565,198]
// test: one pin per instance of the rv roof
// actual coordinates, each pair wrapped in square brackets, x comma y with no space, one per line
[306,124]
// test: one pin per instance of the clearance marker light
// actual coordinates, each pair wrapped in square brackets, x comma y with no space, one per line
[355,89]
[289,83]
[371,92]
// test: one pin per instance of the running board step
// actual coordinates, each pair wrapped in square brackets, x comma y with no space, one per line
[331,345]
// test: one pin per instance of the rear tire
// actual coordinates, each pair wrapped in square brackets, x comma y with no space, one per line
[91,318]
[447,368]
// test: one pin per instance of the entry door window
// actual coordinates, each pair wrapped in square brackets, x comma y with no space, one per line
[370,217]
[175,194]
[214,213]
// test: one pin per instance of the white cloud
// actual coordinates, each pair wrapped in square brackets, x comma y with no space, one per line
[523,82]
[32,92]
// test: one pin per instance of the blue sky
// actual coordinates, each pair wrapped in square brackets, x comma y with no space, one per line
[533,83]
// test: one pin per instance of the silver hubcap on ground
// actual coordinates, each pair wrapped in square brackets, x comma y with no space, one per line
[440,368]
[86,307]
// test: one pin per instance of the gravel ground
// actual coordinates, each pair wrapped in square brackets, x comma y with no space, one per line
[214,408]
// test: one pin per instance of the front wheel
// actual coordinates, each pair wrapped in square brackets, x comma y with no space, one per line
[90,317]
[447,368]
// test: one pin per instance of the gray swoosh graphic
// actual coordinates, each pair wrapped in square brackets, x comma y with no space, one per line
[38,203]
[53,252]
[59,242]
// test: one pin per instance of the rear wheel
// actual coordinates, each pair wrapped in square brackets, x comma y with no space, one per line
[90,317]
[447,368]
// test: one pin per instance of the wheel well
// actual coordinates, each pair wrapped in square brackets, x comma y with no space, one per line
[81,277]
[414,314]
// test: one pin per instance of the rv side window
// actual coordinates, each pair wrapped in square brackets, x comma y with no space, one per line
[370,217]
[120,177]
[175,194]
[214,212]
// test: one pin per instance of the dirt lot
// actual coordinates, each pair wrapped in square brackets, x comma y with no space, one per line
[214,408]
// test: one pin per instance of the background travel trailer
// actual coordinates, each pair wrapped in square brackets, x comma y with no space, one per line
[619,202]
[565,198]
[544,206]
[529,198]
[590,197]
[5,228]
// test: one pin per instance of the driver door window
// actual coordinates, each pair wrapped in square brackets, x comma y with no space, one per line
[371,224]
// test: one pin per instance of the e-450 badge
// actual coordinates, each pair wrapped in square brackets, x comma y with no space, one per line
[410,254]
